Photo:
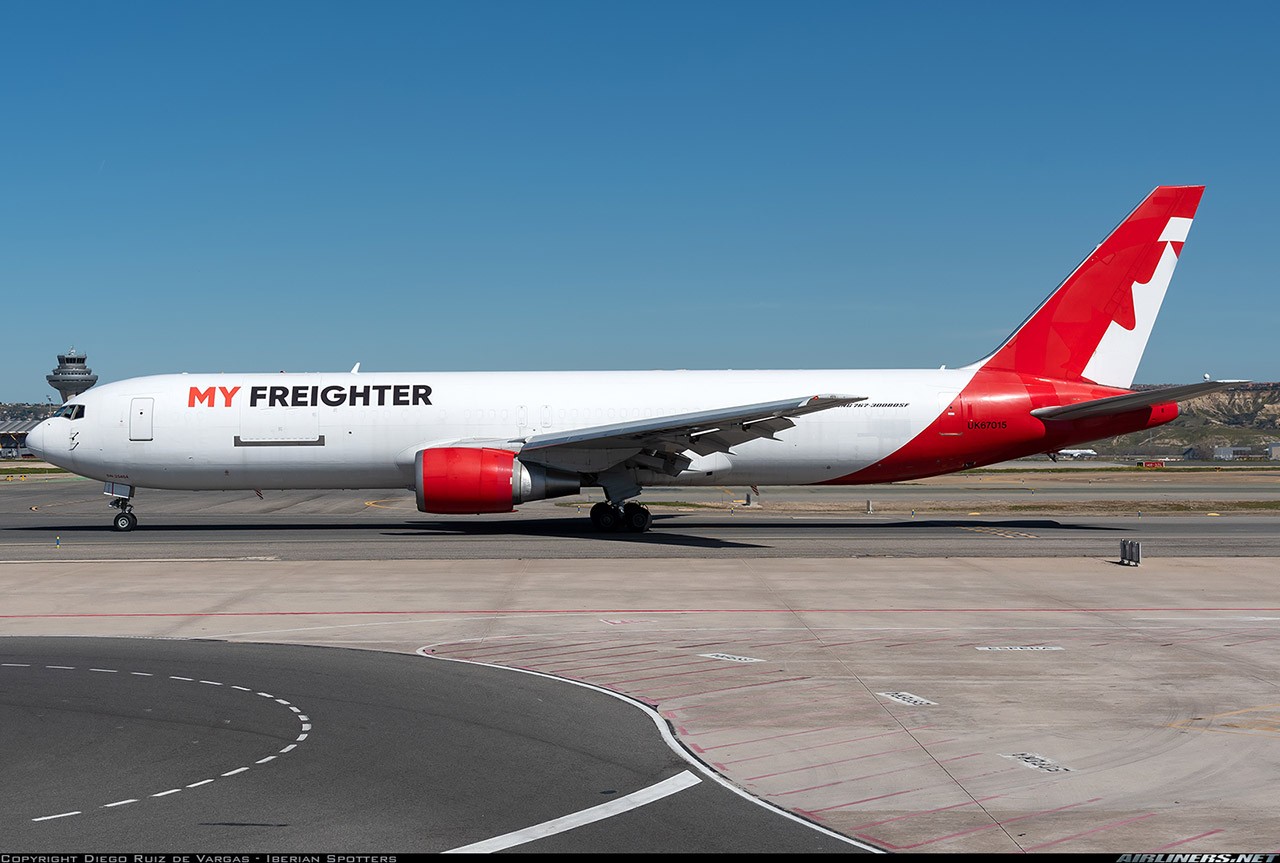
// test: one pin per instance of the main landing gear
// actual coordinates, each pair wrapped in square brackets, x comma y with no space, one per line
[124,519]
[631,517]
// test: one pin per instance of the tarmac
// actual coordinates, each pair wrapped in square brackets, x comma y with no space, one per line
[941,688]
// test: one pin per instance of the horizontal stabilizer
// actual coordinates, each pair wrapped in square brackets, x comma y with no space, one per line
[1130,401]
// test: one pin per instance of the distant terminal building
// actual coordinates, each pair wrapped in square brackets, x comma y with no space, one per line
[72,376]
[1273,451]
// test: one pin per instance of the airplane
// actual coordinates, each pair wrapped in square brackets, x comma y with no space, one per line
[486,442]
[1074,453]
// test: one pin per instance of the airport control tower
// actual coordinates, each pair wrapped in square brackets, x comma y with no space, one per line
[72,376]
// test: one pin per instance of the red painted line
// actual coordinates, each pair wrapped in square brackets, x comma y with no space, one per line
[1087,832]
[807,704]
[603,649]
[832,763]
[609,664]
[816,746]
[780,643]
[509,612]
[973,802]
[525,651]
[680,674]
[730,688]
[477,649]
[926,641]
[1185,841]
[771,737]
[865,776]
[709,665]
[990,826]
[877,797]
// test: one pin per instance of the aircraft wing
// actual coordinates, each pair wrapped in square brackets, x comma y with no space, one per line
[1130,401]
[659,443]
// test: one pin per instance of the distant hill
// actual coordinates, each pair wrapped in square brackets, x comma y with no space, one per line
[1244,415]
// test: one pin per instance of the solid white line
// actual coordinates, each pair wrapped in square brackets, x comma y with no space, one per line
[300,738]
[63,667]
[211,682]
[234,772]
[266,695]
[15,664]
[201,782]
[282,701]
[302,717]
[306,726]
[167,793]
[242,688]
[61,815]
[142,674]
[669,738]
[295,710]
[289,747]
[105,670]
[665,788]
[188,679]
[120,803]
[264,760]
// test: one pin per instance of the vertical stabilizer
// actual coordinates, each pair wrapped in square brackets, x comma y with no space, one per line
[1095,326]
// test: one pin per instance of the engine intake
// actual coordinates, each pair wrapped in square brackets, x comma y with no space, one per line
[464,480]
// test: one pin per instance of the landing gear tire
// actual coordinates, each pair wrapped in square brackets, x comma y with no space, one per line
[606,517]
[125,521]
[636,518]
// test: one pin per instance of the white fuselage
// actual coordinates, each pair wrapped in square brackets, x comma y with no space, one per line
[199,432]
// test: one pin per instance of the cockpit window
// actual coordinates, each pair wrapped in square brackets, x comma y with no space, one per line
[71,412]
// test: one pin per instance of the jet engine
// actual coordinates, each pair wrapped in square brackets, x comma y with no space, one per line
[479,479]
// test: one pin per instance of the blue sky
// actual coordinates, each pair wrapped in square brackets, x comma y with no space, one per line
[240,186]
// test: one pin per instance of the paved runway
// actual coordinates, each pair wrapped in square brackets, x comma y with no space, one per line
[64,518]
[145,745]
[954,682]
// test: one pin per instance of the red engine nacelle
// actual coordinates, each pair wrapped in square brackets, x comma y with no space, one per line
[479,479]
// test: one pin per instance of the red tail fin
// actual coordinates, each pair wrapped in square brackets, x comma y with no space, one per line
[1095,326]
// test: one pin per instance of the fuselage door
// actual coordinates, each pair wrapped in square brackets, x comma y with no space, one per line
[140,419]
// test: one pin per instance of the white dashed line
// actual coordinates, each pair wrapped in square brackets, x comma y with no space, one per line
[302,718]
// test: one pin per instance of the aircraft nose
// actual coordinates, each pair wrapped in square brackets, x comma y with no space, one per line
[35,438]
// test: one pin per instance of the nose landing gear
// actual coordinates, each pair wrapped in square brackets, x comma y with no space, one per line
[124,519]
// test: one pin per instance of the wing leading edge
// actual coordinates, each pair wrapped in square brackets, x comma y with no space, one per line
[660,443]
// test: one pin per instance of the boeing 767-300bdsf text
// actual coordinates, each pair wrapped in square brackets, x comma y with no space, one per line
[483,442]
